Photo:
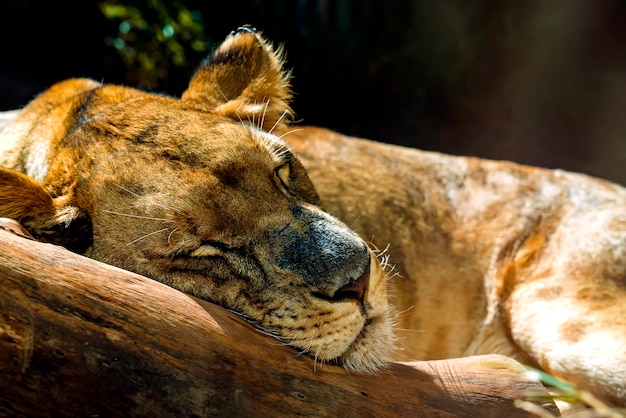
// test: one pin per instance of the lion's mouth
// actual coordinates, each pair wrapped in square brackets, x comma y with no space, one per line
[372,348]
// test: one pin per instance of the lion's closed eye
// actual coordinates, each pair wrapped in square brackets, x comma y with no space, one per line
[209,249]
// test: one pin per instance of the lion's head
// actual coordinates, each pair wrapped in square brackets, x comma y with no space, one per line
[198,193]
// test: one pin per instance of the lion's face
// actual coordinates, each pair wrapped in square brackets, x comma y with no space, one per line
[207,200]
[225,212]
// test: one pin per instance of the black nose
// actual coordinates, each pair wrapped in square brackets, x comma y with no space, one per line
[332,261]
[353,289]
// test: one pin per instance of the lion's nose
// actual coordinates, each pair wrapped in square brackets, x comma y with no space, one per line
[355,288]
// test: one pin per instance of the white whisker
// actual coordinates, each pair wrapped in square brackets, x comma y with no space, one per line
[282,153]
[169,237]
[147,235]
[290,132]
[251,120]
[126,190]
[226,99]
[137,216]
[411,330]
[278,121]
[352,226]
[267,103]
[402,313]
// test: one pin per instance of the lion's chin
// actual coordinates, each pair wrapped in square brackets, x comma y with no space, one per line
[372,350]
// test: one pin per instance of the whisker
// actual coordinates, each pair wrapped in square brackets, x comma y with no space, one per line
[386,249]
[280,154]
[147,235]
[400,314]
[269,333]
[126,190]
[267,103]
[352,226]
[169,237]
[401,345]
[290,132]
[251,120]
[278,121]
[236,113]
[137,216]
[226,99]
[419,331]
[277,149]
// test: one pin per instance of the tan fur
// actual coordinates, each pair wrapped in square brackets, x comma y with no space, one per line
[194,192]
[492,257]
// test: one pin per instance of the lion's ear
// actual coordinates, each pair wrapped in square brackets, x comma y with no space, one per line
[51,220]
[244,79]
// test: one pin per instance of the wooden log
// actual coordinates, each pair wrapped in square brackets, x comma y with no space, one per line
[82,338]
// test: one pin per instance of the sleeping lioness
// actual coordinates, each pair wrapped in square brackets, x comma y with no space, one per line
[204,194]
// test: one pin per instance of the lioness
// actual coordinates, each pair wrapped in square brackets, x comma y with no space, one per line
[204,194]
[199,194]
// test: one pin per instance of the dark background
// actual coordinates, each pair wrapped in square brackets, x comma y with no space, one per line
[538,82]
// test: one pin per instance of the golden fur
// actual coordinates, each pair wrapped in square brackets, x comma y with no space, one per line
[200,193]
[195,192]
[491,256]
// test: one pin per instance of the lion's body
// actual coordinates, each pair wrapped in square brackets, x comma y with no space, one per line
[492,257]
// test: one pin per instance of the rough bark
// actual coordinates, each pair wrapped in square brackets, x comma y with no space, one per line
[81,338]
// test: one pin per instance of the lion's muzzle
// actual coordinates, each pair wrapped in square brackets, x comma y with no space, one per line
[333,261]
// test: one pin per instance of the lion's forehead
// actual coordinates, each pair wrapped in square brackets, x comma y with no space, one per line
[216,141]
[191,140]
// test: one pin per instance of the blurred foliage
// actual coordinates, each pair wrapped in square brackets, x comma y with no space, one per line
[418,54]
[153,37]
[577,402]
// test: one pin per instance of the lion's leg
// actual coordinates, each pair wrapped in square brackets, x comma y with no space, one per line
[567,302]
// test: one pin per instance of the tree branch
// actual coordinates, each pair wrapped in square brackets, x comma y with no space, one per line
[82,338]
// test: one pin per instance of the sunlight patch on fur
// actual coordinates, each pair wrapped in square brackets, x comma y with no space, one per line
[167,207]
